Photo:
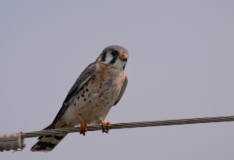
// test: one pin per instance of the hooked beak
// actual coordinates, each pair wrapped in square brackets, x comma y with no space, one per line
[123,57]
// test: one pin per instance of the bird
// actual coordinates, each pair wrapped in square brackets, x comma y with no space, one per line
[98,88]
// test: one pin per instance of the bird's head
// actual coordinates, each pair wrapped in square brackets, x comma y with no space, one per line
[115,56]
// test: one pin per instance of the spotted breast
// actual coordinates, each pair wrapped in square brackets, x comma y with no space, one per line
[94,100]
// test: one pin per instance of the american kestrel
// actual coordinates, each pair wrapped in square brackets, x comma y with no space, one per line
[99,87]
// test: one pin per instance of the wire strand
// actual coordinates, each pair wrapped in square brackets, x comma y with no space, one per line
[131,125]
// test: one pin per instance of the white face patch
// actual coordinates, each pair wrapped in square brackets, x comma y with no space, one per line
[109,57]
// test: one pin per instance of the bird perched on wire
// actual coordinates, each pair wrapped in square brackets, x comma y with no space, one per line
[99,87]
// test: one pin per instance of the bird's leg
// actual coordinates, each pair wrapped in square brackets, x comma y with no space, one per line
[83,125]
[105,126]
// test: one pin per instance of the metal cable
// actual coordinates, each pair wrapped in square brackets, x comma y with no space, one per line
[131,125]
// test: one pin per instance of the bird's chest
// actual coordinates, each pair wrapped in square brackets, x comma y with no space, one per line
[107,84]
[104,90]
[98,95]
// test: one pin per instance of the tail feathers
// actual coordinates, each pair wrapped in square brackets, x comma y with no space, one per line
[47,143]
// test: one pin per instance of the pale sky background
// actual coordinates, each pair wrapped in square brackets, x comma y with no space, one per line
[181,66]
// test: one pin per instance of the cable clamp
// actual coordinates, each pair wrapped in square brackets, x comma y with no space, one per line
[12,141]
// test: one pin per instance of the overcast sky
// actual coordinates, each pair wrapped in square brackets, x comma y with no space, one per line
[181,65]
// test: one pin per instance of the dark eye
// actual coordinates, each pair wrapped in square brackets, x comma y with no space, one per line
[114,53]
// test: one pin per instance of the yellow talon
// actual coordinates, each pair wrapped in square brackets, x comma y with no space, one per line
[83,128]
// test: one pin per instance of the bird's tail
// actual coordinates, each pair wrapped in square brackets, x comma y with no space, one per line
[47,143]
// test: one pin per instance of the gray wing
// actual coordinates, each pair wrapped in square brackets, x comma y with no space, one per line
[82,79]
[122,90]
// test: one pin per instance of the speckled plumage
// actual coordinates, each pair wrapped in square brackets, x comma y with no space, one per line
[99,87]
[96,97]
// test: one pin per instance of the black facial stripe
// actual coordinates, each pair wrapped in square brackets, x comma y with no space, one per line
[114,60]
[124,66]
[104,57]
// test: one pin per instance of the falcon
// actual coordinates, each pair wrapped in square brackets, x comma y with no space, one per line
[99,87]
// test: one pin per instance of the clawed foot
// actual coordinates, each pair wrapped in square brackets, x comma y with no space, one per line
[83,128]
[105,126]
